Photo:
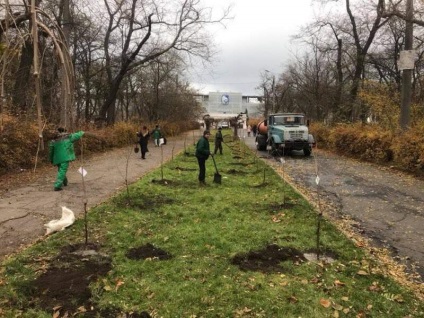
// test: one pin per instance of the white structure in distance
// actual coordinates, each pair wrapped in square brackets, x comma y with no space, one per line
[227,105]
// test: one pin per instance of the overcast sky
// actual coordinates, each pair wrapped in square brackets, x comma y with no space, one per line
[257,39]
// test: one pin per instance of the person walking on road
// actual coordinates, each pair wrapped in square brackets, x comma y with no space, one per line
[61,152]
[156,135]
[143,140]
[249,129]
[218,141]
[254,130]
[202,154]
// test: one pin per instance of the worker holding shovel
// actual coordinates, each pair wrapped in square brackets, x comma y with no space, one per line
[202,154]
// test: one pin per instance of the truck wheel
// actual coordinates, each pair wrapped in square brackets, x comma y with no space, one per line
[274,149]
[260,146]
[307,152]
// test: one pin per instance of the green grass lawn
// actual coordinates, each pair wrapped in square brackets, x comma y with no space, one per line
[202,231]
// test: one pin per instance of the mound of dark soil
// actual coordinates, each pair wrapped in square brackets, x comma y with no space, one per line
[64,288]
[278,206]
[166,182]
[65,284]
[185,169]
[236,172]
[148,251]
[268,259]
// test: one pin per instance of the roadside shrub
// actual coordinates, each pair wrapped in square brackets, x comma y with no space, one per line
[121,134]
[375,144]
[408,149]
[319,131]
[19,140]
[365,142]
[18,144]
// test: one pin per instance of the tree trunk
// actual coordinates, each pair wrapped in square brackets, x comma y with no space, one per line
[23,75]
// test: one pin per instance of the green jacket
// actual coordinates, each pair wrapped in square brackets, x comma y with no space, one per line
[218,137]
[62,148]
[156,134]
[202,148]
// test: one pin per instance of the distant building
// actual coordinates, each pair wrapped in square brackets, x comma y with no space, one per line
[225,105]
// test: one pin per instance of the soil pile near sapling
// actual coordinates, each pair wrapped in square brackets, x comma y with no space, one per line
[145,202]
[166,182]
[185,169]
[65,284]
[64,288]
[268,260]
[148,251]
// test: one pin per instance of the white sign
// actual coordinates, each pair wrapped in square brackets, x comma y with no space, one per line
[406,60]
[82,171]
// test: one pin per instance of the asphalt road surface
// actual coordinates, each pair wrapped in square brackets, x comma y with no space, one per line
[388,206]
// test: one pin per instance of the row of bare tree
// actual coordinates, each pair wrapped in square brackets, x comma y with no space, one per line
[129,58]
[348,45]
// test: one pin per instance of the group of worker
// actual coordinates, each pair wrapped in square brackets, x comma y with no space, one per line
[61,150]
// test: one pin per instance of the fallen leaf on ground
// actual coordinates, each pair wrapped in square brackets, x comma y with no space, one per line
[325,302]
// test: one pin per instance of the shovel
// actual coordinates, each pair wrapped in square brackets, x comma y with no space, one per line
[216,176]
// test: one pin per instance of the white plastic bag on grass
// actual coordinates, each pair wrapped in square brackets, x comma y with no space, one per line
[67,219]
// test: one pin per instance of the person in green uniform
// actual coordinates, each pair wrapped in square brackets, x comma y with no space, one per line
[218,141]
[202,154]
[61,152]
[156,134]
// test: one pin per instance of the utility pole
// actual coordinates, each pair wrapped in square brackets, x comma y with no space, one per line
[407,73]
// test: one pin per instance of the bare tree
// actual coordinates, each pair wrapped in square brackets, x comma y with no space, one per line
[141,32]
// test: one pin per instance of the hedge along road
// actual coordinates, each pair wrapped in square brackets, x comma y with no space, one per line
[27,205]
[386,206]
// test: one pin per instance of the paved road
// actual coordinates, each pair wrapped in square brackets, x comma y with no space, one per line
[387,205]
[24,209]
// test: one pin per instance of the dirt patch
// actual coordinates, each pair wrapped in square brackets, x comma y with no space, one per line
[64,287]
[148,251]
[185,169]
[239,164]
[236,172]
[268,260]
[166,182]
[145,202]
[278,206]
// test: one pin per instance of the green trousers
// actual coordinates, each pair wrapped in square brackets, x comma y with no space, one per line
[61,179]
